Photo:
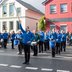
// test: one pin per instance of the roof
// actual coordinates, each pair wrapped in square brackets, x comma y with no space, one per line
[29,6]
[45,2]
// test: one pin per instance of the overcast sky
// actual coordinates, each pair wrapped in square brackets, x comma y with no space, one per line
[36,3]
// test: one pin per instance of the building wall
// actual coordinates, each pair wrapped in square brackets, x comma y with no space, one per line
[59,24]
[13,18]
[27,17]
[32,19]
[59,14]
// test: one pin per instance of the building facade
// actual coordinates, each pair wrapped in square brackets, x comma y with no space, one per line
[58,14]
[10,10]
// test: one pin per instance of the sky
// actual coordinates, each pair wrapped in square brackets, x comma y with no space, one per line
[37,4]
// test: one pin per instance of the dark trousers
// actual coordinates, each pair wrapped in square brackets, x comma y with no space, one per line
[53,52]
[58,48]
[40,46]
[12,44]
[27,52]
[35,50]
[5,43]
[46,45]
[63,46]
[20,48]
[0,43]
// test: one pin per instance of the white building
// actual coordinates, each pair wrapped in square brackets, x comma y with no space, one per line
[11,9]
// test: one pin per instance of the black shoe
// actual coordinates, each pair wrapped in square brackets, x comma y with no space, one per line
[25,63]
[13,48]
[39,51]
[19,53]
[34,55]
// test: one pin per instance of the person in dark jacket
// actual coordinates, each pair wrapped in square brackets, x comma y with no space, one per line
[5,39]
[27,38]
[12,38]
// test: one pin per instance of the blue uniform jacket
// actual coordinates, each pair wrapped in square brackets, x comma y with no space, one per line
[53,35]
[52,43]
[41,33]
[13,36]
[59,36]
[48,35]
[27,38]
[0,36]
[5,35]
[63,39]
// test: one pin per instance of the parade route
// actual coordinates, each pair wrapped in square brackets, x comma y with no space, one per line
[10,61]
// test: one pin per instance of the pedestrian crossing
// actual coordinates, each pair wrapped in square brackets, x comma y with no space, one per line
[33,68]
[45,69]
[15,66]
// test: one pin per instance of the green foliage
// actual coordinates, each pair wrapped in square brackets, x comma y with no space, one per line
[41,24]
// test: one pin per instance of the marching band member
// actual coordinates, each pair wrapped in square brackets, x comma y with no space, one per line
[41,41]
[12,38]
[5,39]
[58,42]
[0,39]
[52,45]
[48,38]
[19,37]
[27,37]
[63,41]
[46,41]
[35,43]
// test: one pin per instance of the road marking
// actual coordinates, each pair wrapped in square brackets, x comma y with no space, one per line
[45,69]
[15,66]
[31,68]
[62,71]
[4,65]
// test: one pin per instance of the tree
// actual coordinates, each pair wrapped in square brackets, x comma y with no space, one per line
[41,24]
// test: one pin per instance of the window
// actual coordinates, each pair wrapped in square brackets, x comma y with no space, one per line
[52,9]
[19,11]
[18,25]
[52,27]
[63,27]
[4,26]
[4,10]
[11,9]
[11,25]
[63,8]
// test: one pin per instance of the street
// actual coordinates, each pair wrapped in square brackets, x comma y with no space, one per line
[10,61]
